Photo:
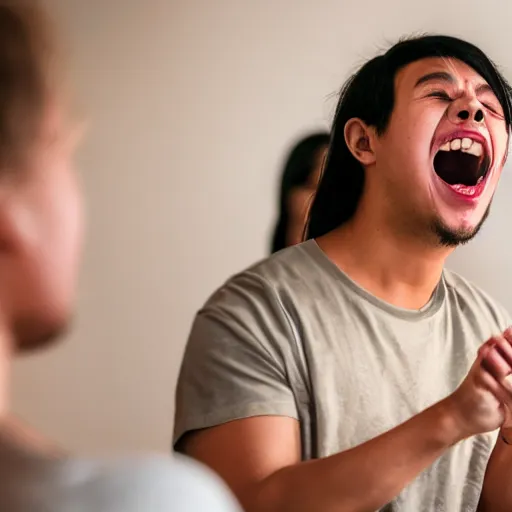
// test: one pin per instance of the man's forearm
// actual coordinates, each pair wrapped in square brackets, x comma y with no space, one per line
[497,488]
[364,478]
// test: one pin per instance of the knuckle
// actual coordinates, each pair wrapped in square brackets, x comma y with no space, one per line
[492,341]
[499,341]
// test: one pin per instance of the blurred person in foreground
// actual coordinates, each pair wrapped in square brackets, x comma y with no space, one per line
[299,181]
[353,372]
[40,245]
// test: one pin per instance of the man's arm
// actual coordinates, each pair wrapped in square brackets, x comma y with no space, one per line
[260,459]
[497,488]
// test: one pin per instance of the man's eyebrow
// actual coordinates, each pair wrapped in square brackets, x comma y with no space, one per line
[438,76]
[484,88]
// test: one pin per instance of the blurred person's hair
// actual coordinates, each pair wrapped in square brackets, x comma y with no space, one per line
[28,78]
[369,95]
[299,165]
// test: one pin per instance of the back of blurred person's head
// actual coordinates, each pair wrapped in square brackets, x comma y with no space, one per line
[40,208]
[299,181]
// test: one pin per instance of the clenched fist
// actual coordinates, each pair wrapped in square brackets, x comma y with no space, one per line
[480,403]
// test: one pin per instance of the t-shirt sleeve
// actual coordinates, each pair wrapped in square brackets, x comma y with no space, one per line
[237,360]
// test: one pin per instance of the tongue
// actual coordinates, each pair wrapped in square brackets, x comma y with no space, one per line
[456,167]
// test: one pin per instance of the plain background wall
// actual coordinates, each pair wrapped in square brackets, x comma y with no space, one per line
[192,105]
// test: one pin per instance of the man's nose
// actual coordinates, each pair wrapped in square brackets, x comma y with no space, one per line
[467,112]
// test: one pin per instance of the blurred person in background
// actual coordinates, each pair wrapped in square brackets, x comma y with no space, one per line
[40,247]
[353,371]
[299,181]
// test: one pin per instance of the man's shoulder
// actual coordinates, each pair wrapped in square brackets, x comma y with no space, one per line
[153,483]
[266,278]
[284,265]
[469,296]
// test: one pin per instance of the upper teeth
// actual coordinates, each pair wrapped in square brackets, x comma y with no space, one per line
[465,145]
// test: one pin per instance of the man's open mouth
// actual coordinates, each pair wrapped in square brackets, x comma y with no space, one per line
[463,164]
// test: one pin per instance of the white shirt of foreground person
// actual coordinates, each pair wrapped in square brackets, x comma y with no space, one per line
[33,483]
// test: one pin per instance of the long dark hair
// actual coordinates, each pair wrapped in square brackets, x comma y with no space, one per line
[297,170]
[369,96]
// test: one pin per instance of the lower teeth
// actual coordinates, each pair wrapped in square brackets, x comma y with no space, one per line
[464,189]
[468,190]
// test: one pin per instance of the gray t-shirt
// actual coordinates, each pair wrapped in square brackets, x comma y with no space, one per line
[295,336]
[32,483]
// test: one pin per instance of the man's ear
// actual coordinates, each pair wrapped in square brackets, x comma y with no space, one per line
[14,225]
[359,138]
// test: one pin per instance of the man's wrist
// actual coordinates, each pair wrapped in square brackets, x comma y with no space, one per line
[450,425]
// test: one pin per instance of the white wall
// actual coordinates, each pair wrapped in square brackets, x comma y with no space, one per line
[192,104]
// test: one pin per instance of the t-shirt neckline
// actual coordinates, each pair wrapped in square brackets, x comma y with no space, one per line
[433,305]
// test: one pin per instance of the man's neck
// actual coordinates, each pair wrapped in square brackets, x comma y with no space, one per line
[12,429]
[397,269]
[5,372]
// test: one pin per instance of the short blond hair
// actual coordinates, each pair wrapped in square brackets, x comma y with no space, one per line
[28,76]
